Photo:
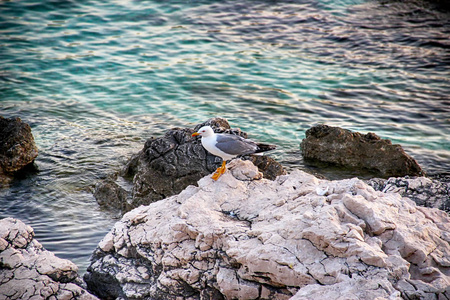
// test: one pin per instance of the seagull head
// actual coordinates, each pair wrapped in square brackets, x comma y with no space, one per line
[205,131]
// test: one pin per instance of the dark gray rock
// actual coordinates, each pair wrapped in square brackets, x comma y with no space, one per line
[17,147]
[110,194]
[424,191]
[354,150]
[220,125]
[167,165]
[266,165]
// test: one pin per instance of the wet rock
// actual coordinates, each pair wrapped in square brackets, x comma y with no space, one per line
[28,271]
[424,191]
[267,165]
[110,194]
[17,147]
[167,165]
[352,149]
[246,237]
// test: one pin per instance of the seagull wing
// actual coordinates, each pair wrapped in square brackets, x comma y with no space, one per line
[235,145]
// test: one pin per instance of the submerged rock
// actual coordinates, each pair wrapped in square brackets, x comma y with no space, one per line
[28,271]
[109,193]
[352,149]
[167,165]
[17,147]
[245,237]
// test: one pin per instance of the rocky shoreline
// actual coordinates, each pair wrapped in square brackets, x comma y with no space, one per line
[256,233]
[28,271]
[298,237]
[246,237]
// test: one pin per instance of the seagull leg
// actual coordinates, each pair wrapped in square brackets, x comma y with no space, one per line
[220,171]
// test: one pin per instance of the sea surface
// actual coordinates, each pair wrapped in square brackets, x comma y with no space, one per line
[95,79]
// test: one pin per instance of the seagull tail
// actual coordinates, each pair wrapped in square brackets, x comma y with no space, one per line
[264,147]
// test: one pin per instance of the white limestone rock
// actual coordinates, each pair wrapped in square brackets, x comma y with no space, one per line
[242,237]
[28,271]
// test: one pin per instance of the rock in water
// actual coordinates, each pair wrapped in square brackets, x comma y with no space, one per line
[243,237]
[28,271]
[109,193]
[352,149]
[17,147]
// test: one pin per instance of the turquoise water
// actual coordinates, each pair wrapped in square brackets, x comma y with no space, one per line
[96,79]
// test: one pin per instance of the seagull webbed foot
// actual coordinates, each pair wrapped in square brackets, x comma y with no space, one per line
[220,171]
[216,175]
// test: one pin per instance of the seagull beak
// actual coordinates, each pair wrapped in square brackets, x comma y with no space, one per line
[195,134]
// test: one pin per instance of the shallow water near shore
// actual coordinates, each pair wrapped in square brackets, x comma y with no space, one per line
[96,79]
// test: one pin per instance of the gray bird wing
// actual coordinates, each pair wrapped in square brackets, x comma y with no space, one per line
[235,145]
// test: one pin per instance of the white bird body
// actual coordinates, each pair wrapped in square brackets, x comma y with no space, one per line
[228,146]
[210,142]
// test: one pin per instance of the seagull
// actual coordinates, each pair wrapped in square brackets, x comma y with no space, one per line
[228,146]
